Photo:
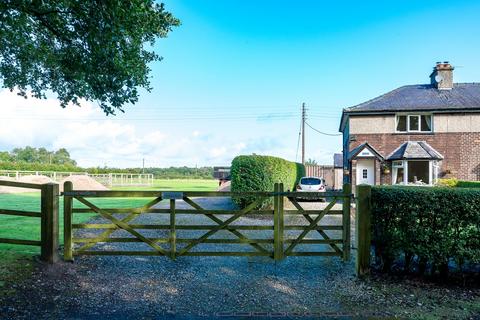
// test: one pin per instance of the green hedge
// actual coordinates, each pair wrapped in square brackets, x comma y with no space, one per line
[455,183]
[27,166]
[468,184]
[260,173]
[429,225]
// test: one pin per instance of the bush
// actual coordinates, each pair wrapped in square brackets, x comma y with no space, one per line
[468,184]
[28,166]
[260,173]
[450,182]
[431,225]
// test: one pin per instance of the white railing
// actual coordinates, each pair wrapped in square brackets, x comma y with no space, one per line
[107,179]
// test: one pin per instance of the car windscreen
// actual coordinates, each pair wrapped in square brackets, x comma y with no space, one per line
[310,181]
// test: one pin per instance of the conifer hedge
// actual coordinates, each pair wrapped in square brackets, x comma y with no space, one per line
[260,173]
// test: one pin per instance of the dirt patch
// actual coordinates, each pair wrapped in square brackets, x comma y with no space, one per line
[83,183]
[26,179]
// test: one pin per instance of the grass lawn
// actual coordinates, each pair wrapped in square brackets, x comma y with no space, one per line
[178,185]
[16,259]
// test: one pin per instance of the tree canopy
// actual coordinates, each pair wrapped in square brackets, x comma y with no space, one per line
[40,156]
[94,50]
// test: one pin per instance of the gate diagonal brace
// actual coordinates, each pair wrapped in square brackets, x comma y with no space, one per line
[104,235]
[312,225]
[221,226]
[310,220]
[219,221]
[122,225]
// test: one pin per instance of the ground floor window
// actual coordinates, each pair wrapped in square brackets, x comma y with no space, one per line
[416,172]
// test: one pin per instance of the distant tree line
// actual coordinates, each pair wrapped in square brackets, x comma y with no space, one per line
[41,159]
[39,156]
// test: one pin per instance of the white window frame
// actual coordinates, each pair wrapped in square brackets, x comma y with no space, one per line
[433,169]
[398,165]
[410,116]
[419,128]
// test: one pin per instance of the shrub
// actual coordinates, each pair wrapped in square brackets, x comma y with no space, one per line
[468,184]
[450,182]
[433,225]
[260,173]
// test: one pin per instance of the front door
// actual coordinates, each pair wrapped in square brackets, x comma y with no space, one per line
[366,171]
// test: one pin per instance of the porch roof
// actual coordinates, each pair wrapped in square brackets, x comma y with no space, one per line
[356,151]
[415,150]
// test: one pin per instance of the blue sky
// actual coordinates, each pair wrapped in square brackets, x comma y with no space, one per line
[235,74]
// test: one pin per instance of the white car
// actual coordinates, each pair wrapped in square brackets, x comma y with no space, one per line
[311,184]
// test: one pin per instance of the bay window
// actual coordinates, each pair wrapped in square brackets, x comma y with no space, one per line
[416,172]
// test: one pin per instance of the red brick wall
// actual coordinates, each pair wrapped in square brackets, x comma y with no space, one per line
[461,151]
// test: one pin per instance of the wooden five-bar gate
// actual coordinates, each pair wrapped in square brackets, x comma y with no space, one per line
[183,224]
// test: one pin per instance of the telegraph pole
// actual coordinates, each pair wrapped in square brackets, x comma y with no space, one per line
[303,132]
[143,165]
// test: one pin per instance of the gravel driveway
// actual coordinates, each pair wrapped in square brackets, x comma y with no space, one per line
[128,287]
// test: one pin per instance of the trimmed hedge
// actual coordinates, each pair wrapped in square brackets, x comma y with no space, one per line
[260,173]
[468,184]
[431,226]
[455,183]
[29,166]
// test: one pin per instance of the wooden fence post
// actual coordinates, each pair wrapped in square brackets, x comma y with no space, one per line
[67,222]
[173,235]
[278,222]
[347,191]
[363,226]
[49,224]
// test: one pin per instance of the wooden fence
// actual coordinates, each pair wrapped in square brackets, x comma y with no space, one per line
[281,244]
[275,237]
[48,216]
[107,179]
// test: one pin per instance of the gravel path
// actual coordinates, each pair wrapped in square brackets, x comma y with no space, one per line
[127,287]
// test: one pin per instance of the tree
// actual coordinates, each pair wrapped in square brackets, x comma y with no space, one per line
[27,154]
[311,162]
[5,156]
[94,50]
[62,156]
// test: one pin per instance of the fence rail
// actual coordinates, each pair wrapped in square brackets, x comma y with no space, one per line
[177,236]
[48,215]
[107,179]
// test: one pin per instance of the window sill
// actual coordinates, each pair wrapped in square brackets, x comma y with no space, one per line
[415,133]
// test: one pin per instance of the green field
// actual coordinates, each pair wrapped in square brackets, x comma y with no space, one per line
[178,184]
[29,228]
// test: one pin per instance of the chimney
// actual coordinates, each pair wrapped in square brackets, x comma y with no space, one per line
[442,76]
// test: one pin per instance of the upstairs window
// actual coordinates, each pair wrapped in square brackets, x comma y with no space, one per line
[414,123]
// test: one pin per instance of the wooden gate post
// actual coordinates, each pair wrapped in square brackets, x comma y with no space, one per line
[173,235]
[67,222]
[363,226]
[347,191]
[49,224]
[278,222]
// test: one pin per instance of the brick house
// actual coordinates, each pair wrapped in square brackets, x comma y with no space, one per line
[414,134]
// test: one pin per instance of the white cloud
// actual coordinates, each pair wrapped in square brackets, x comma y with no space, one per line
[94,140]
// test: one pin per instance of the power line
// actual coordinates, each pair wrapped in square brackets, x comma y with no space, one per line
[324,133]
[232,117]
